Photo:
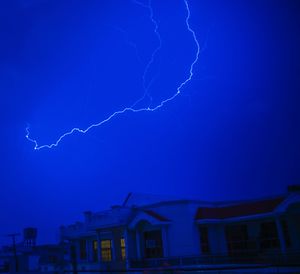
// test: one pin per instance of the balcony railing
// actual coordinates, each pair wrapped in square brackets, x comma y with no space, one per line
[270,258]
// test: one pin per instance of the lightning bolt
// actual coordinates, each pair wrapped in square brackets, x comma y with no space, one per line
[145,85]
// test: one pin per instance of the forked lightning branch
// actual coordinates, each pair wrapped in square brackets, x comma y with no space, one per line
[132,108]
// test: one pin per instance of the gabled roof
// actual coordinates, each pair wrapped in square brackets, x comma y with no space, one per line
[156,215]
[238,210]
[148,216]
[143,199]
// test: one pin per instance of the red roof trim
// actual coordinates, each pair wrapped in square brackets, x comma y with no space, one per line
[156,215]
[243,209]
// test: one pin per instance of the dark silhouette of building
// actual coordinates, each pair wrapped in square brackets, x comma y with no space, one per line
[151,231]
[155,232]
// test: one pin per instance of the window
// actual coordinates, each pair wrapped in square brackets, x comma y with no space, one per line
[123,249]
[268,236]
[52,259]
[204,239]
[153,244]
[95,250]
[106,250]
[286,234]
[237,238]
[82,250]
[73,253]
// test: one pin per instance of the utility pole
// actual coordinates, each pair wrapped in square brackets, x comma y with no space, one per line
[13,237]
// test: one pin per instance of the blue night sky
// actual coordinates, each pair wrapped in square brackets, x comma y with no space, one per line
[233,132]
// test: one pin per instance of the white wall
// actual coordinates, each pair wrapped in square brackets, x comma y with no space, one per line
[183,234]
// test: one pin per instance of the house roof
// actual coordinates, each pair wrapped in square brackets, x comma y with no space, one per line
[134,199]
[156,215]
[238,210]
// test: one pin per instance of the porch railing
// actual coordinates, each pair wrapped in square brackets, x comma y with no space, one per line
[271,258]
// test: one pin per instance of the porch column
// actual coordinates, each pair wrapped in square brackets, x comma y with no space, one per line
[73,256]
[164,235]
[99,247]
[138,244]
[77,248]
[113,247]
[280,235]
[89,250]
[126,248]
[222,239]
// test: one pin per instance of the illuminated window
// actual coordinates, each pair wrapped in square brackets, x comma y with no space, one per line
[95,250]
[123,251]
[106,250]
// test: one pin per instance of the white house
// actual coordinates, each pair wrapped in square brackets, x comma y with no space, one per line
[147,231]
